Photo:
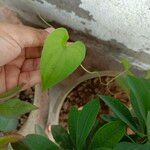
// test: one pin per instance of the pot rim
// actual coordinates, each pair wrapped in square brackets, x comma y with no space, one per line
[76,83]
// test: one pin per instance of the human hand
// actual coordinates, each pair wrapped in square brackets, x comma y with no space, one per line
[20,51]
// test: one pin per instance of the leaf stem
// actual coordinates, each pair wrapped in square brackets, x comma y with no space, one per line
[43,19]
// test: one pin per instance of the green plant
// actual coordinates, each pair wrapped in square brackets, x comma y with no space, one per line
[137,117]
[10,111]
[84,132]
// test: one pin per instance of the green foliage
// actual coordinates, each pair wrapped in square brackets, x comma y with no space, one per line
[108,135]
[142,95]
[8,124]
[85,122]
[14,108]
[84,133]
[64,140]
[120,110]
[59,59]
[139,119]
[10,110]
[81,123]
[72,123]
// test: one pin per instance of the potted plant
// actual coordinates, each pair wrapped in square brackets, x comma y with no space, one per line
[85,132]
[81,91]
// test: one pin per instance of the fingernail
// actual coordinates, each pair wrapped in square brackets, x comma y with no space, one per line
[49,30]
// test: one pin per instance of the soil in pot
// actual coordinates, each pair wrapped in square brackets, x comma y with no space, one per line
[88,90]
[27,96]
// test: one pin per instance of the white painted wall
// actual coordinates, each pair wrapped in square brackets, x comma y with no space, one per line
[125,21]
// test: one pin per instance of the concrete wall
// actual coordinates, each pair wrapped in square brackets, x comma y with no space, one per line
[125,23]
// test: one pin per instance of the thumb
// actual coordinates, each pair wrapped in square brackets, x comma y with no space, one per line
[26,36]
[13,38]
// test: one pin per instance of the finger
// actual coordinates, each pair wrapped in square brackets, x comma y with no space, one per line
[29,78]
[25,36]
[9,49]
[31,65]
[11,76]
[34,52]
[19,60]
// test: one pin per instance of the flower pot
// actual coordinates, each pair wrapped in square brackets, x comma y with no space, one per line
[38,116]
[60,92]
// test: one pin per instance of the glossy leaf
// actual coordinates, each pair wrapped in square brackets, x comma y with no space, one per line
[39,130]
[132,146]
[8,124]
[95,127]
[59,59]
[72,123]
[108,135]
[148,126]
[35,142]
[85,122]
[137,112]
[15,107]
[140,88]
[61,137]
[120,110]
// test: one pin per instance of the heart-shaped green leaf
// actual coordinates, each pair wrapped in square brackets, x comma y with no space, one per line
[58,59]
